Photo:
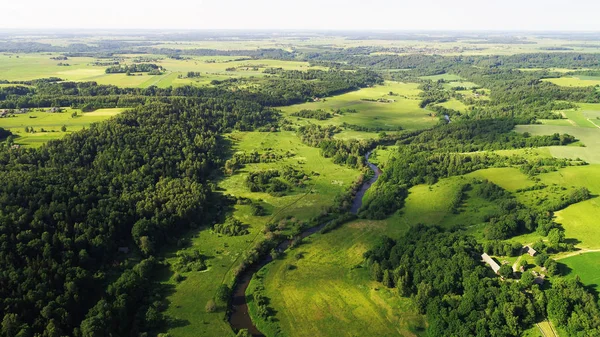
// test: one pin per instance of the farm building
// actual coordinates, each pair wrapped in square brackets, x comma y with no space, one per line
[495,266]
[529,250]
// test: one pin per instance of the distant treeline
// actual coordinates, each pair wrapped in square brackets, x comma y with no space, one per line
[133,68]
[275,91]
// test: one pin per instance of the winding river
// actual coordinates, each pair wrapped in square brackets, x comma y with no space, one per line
[239,317]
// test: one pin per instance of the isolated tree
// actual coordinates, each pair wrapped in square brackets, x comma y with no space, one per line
[223,293]
[63,128]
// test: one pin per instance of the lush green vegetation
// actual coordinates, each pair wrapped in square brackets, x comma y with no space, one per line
[143,176]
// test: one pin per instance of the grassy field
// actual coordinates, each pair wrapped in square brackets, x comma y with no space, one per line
[52,123]
[404,111]
[464,84]
[327,293]
[454,104]
[575,81]
[589,136]
[20,67]
[189,297]
[578,220]
[586,266]
[445,77]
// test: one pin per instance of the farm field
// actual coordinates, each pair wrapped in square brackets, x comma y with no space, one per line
[52,123]
[403,111]
[188,298]
[454,104]
[586,266]
[22,67]
[464,84]
[575,81]
[319,288]
[589,136]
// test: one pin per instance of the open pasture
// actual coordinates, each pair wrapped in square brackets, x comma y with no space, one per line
[575,81]
[454,104]
[589,136]
[399,109]
[320,289]
[586,266]
[51,123]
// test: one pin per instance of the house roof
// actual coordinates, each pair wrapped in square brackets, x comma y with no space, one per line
[495,266]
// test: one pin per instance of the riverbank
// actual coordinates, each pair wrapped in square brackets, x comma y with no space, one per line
[239,317]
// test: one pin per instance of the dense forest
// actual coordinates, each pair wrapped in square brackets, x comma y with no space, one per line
[135,181]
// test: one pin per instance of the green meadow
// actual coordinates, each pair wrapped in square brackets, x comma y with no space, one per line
[188,298]
[320,288]
[51,124]
[454,104]
[588,136]
[401,109]
[586,266]
[575,81]
[22,67]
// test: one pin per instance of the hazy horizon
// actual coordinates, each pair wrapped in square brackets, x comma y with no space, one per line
[335,15]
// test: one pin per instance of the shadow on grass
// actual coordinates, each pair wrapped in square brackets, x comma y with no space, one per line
[564,269]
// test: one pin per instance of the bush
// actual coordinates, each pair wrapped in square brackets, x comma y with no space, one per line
[211,306]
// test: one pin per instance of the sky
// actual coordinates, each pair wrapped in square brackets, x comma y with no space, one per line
[556,15]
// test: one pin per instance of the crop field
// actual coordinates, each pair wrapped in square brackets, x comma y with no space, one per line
[51,123]
[575,81]
[586,266]
[325,291]
[399,109]
[189,297]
